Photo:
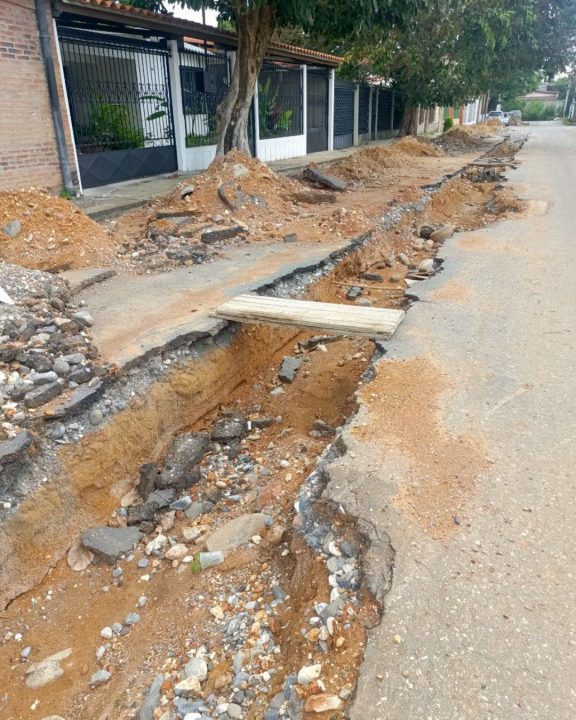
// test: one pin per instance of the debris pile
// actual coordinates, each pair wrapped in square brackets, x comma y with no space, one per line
[45,348]
[369,164]
[212,494]
[462,139]
[44,232]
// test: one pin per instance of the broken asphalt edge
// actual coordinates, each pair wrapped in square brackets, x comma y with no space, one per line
[287,284]
[334,486]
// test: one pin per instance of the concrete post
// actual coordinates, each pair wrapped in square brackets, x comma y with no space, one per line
[355,133]
[177,104]
[376,117]
[256,122]
[304,69]
[331,89]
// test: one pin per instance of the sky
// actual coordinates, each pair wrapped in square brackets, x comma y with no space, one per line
[195,15]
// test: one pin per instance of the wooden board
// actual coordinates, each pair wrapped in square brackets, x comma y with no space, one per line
[329,318]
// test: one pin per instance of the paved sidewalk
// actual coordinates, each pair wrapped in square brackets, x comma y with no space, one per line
[109,201]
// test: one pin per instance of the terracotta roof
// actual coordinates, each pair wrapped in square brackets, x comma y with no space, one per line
[189,27]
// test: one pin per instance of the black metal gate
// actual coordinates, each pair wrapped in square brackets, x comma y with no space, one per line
[364,111]
[204,78]
[385,110]
[343,114]
[119,95]
[317,110]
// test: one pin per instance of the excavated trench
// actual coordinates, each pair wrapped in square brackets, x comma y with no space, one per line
[268,610]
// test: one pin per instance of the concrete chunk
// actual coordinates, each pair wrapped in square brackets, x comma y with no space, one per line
[237,532]
[212,236]
[13,449]
[315,175]
[109,543]
[289,369]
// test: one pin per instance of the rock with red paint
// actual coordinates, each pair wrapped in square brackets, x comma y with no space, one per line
[322,703]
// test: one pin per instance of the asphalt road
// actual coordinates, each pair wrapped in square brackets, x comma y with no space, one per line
[480,620]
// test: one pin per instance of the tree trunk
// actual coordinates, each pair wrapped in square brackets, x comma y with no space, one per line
[255,28]
[409,124]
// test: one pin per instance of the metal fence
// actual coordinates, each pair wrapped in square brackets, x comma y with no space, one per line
[399,104]
[204,78]
[317,110]
[385,109]
[280,100]
[119,96]
[343,114]
[364,110]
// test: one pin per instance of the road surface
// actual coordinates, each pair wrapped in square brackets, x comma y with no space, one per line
[473,483]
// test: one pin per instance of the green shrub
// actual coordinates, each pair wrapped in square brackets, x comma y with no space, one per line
[448,124]
[110,128]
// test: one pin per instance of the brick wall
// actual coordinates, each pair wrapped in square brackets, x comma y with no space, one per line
[28,152]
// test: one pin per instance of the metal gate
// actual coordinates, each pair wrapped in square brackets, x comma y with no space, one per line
[343,114]
[364,111]
[385,110]
[317,111]
[119,95]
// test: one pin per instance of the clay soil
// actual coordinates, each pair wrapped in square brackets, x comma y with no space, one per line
[55,234]
[380,177]
[69,609]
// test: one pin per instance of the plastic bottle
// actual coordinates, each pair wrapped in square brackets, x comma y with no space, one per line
[203,560]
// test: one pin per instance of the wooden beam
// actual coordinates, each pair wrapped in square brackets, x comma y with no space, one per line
[330,318]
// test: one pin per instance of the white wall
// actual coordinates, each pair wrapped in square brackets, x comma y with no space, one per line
[198,158]
[282,148]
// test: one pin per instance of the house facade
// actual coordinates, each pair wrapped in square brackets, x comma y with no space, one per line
[135,93]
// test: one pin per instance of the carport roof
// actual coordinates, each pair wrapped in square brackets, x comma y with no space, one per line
[166,23]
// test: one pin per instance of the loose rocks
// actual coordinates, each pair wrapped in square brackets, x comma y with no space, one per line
[443,233]
[46,671]
[313,174]
[289,369]
[229,428]
[237,532]
[110,543]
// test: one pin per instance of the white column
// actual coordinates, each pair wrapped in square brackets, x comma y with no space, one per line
[331,87]
[177,105]
[376,116]
[256,122]
[355,139]
[304,69]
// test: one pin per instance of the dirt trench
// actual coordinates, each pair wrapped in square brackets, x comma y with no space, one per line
[67,609]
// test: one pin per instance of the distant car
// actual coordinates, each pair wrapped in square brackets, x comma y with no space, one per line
[515,113]
[499,115]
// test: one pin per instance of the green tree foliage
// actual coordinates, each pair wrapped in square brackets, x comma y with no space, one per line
[455,50]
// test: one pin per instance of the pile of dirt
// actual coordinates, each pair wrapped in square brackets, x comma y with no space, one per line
[369,163]
[415,146]
[44,232]
[460,140]
[237,199]
[467,205]
[488,127]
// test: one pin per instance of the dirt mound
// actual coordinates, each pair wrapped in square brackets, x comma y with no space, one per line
[488,127]
[415,146]
[368,163]
[237,185]
[53,234]
[459,140]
